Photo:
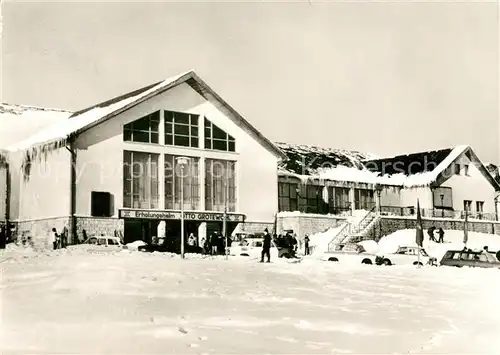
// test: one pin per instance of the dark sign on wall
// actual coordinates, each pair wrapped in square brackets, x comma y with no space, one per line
[188,215]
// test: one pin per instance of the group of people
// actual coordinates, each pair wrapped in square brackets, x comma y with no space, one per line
[214,244]
[432,231]
[58,240]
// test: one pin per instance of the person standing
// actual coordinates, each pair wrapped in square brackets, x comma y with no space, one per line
[441,235]
[3,237]
[306,244]
[53,238]
[266,247]
[430,232]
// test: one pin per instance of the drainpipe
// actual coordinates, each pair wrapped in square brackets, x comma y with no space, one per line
[72,198]
[7,201]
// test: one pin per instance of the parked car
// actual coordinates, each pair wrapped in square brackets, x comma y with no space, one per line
[252,247]
[406,255]
[459,258]
[350,253]
[102,243]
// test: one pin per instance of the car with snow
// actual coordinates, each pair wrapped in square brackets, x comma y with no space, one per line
[460,258]
[350,253]
[101,243]
[252,247]
[406,255]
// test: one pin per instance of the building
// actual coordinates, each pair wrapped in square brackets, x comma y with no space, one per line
[118,167]
[331,181]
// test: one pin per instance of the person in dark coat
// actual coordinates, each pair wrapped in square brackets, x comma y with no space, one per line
[306,245]
[430,232]
[266,247]
[441,235]
[3,237]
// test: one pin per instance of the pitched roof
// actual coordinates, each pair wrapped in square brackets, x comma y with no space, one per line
[308,160]
[87,118]
[18,122]
[409,164]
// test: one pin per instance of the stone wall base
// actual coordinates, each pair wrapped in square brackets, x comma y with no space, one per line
[389,225]
[98,226]
[39,230]
[308,224]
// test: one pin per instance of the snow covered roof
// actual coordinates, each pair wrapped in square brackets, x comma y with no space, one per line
[18,122]
[80,121]
[409,170]
[309,160]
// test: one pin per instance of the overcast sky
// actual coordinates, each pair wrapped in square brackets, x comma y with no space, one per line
[383,77]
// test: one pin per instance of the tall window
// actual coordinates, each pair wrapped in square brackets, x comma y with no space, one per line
[175,179]
[363,199]
[287,196]
[220,181]
[217,139]
[457,169]
[467,205]
[338,200]
[466,170]
[140,180]
[181,129]
[479,206]
[144,130]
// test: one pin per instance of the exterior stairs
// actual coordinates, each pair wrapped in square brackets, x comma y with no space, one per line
[354,233]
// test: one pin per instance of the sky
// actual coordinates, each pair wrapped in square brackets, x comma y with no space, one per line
[383,77]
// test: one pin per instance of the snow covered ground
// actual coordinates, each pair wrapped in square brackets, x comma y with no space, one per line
[69,301]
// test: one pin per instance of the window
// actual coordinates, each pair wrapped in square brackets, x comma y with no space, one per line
[457,169]
[479,206]
[144,130]
[287,196]
[217,139]
[140,180]
[181,129]
[363,199]
[220,182]
[175,178]
[342,198]
[467,205]
[466,170]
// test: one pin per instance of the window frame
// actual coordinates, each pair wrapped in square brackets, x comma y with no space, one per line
[229,140]
[171,126]
[153,119]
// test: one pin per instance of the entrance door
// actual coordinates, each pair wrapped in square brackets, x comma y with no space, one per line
[140,229]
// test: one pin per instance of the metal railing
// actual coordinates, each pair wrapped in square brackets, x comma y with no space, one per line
[344,232]
[434,213]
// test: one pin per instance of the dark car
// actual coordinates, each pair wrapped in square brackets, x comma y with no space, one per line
[459,258]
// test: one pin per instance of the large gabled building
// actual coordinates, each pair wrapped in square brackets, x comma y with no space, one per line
[114,167]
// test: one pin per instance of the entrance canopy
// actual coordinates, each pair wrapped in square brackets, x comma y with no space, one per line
[205,216]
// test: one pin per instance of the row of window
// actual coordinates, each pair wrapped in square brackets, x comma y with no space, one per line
[318,199]
[141,183]
[181,129]
[479,206]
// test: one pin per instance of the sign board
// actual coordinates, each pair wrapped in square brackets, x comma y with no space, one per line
[206,216]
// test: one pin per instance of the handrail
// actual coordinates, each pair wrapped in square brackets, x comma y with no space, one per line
[335,238]
[365,217]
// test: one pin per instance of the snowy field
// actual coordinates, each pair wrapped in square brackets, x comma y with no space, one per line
[137,303]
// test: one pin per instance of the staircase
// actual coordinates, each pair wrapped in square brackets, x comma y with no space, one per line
[355,232]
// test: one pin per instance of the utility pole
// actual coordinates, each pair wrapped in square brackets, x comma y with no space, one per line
[224,220]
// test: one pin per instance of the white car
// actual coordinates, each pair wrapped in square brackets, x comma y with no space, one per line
[104,243]
[407,255]
[252,247]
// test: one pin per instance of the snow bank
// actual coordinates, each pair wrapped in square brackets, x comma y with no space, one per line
[370,246]
[453,240]
[135,245]
[319,241]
